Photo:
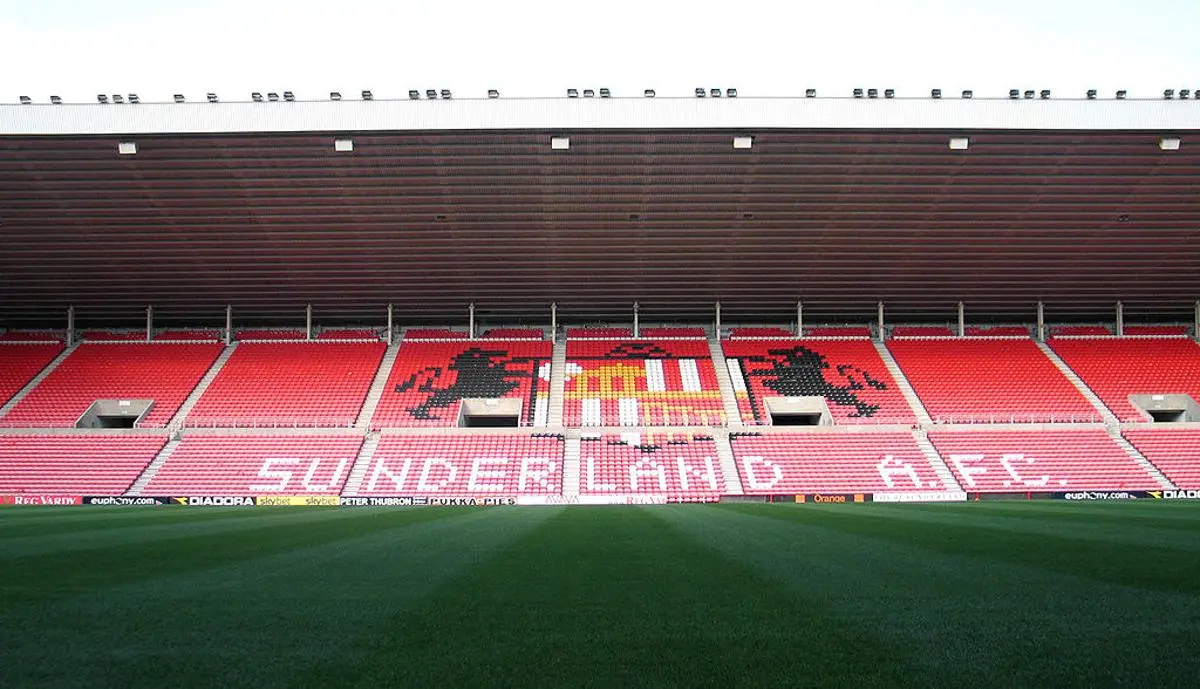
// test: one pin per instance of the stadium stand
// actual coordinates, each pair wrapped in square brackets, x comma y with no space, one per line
[1079,330]
[435,334]
[735,333]
[239,465]
[19,363]
[32,336]
[1157,330]
[999,461]
[922,331]
[445,465]
[270,334]
[430,379]
[652,333]
[641,383]
[188,335]
[849,374]
[997,331]
[1176,453]
[964,380]
[778,463]
[95,464]
[290,384]
[113,335]
[1115,368]
[349,334]
[839,331]
[599,333]
[515,334]
[165,373]
[682,467]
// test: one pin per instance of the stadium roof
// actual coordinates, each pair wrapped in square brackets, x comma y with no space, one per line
[839,202]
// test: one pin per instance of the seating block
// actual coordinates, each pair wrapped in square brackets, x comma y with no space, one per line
[465,465]
[683,467]
[832,462]
[75,464]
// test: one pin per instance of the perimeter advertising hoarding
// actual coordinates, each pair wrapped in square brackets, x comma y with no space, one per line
[298,501]
[37,499]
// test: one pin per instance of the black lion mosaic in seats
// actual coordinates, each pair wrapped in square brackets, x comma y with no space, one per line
[479,373]
[801,372]
[638,350]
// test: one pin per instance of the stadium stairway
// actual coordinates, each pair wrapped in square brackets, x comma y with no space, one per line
[1111,422]
[949,483]
[570,468]
[201,387]
[7,407]
[366,453]
[733,416]
[558,386]
[375,393]
[906,389]
[159,460]
[733,480]
[1142,461]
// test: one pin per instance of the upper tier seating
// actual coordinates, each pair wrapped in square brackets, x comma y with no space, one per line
[594,333]
[32,336]
[673,332]
[641,383]
[165,373]
[1021,461]
[735,333]
[1164,330]
[290,384]
[979,381]
[183,335]
[430,379]
[1176,453]
[1119,367]
[1078,330]
[997,331]
[271,334]
[465,466]
[349,334]
[863,331]
[113,335]
[683,467]
[257,465]
[435,334]
[516,333]
[74,464]
[849,374]
[922,331]
[19,364]
[832,462]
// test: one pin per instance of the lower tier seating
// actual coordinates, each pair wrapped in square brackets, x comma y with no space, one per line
[981,381]
[1176,453]
[783,463]
[1021,461]
[163,372]
[290,384]
[1115,368]
[641,383]
[465,465]
[849,374]
[20,363]
[239,465]
[429,381]
[74,464]
[682,467]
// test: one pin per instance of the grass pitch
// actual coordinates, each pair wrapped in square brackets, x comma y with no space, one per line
[986,594]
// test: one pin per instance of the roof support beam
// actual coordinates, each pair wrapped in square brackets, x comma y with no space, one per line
[1040,331]
[149,323]
[881,335]
[228,324]
[70,326]
[962,320]
[554,321]
[636,329]
[308,333]
[1120,319]
[390,309]
[471,320]
[717,320]
[799,318]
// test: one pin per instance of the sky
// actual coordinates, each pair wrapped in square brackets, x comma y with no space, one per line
[156,48]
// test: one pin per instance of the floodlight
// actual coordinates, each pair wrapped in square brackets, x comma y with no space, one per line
[1045,94]
[133,98]
[959,143]
[273,97]
[212,98]
[179,98]
[1169,144]
[446,94]
[589,93]
[492,93]
[1029,93]
[559,143]
[572,93]
[732,93]
[343,145]
[605,93]
[1091,94]
[889,93]
[367,95]
[1014,94]
[715,93]
[872,93]
[743,142]
[414,94]
[1184,93]
[700,92]
[858,93]
[56,100]
[26,100]
[289,96]
[1121,94]
[648,93]
[810,93]
[126,148]
[968,93]
[935,93]
[431,94]
[256,97]
[101,98]
[118,98]
[335,95]
[1169,94]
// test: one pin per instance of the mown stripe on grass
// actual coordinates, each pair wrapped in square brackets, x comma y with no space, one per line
[83,519]
[1144,566]
[964,619]
[617,597]
[1180,516]
[258,621]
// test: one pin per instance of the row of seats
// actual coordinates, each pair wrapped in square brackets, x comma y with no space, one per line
[20,363]
[1116,368]
[680,466]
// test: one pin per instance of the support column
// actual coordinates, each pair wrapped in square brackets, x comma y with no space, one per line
[228,324]
[636,329]
[389,324]
[717,320]
[471,320]
[1196,322]
[962,320]
[308,334]
[799,319]
[70,326]
[881,335]
[149,323]
[1120,319]
[554,321]
[1040,331]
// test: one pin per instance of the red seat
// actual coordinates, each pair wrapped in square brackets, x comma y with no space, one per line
[1176,453]
[1115,368]
[20,363]
[75,464]
[465,466]
[832,462]
[682,467]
